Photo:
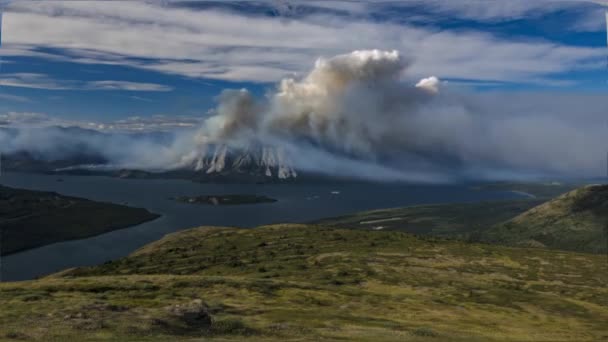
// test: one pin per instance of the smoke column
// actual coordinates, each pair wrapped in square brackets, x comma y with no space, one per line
[361,114]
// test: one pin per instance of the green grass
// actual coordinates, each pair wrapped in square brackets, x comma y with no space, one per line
[544,190]
[575,221]
[31,219]
[309,282]
[457,220]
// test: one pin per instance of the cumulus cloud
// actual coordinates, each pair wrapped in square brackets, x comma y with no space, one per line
[430,84]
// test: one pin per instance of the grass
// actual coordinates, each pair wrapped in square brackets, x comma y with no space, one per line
[31,219]
[575,221]
[457,220]
[312,282]
[544,190]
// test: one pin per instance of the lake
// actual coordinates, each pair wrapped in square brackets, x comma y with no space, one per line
[296,203]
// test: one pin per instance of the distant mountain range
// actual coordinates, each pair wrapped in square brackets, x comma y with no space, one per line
[215,163]
[27,162]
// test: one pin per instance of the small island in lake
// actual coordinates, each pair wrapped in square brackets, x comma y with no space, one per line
[225,199]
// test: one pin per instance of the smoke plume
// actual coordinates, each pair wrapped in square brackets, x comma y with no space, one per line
[361,114]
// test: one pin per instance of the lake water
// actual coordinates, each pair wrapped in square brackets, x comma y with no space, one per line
[297,203]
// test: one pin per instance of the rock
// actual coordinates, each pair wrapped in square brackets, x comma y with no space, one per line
[256,159]
[195,313]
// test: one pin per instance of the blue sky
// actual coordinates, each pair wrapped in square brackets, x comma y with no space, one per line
[113,60]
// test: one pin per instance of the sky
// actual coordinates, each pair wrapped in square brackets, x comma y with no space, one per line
[143,62]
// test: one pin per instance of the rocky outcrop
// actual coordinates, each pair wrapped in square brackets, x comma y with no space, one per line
[256,161]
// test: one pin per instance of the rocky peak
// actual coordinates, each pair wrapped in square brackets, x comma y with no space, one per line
[256,160]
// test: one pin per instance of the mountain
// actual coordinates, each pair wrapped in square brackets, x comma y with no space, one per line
[213,163]
[221,163]
[575,221]
[23,161]
[307,282]
[255,160]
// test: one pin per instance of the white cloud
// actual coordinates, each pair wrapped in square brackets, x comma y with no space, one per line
[156,123]
[42,81]
[153,123]
[478,10]
[14,98]
[23,118]
[430,84]
[31,80]
[232,46]
[130,86]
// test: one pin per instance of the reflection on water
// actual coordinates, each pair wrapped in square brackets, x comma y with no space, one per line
[297,203]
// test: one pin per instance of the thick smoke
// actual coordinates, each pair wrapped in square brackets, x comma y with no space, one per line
[359,114]
[354,113]
[339,119]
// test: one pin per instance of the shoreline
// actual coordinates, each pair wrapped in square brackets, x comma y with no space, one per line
[33,219]
[153,217]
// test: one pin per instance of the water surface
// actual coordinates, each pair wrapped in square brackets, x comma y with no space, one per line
[297,203]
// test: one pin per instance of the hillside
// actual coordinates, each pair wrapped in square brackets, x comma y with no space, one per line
[304,282]
[31,219]
[533,189]
[454,220]
[575,221]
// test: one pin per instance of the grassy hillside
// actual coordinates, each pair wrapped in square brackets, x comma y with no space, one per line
[536,189]
[31,219]
[304,282]
[448,220]
[576,221]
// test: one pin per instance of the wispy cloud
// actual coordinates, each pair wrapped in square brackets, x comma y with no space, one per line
[14,98]
[22,118]
[123,85]
[32,80]
[139,98]
[156,123]
[236,46]
[42,81]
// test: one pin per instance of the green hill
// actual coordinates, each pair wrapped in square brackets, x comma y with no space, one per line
[306,282]
[30,219]
[575,221]
[454,220]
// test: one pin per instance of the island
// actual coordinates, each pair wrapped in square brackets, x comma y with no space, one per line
[31,219]
[225,199]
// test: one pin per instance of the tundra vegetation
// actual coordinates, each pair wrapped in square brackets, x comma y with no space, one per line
[288,282]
